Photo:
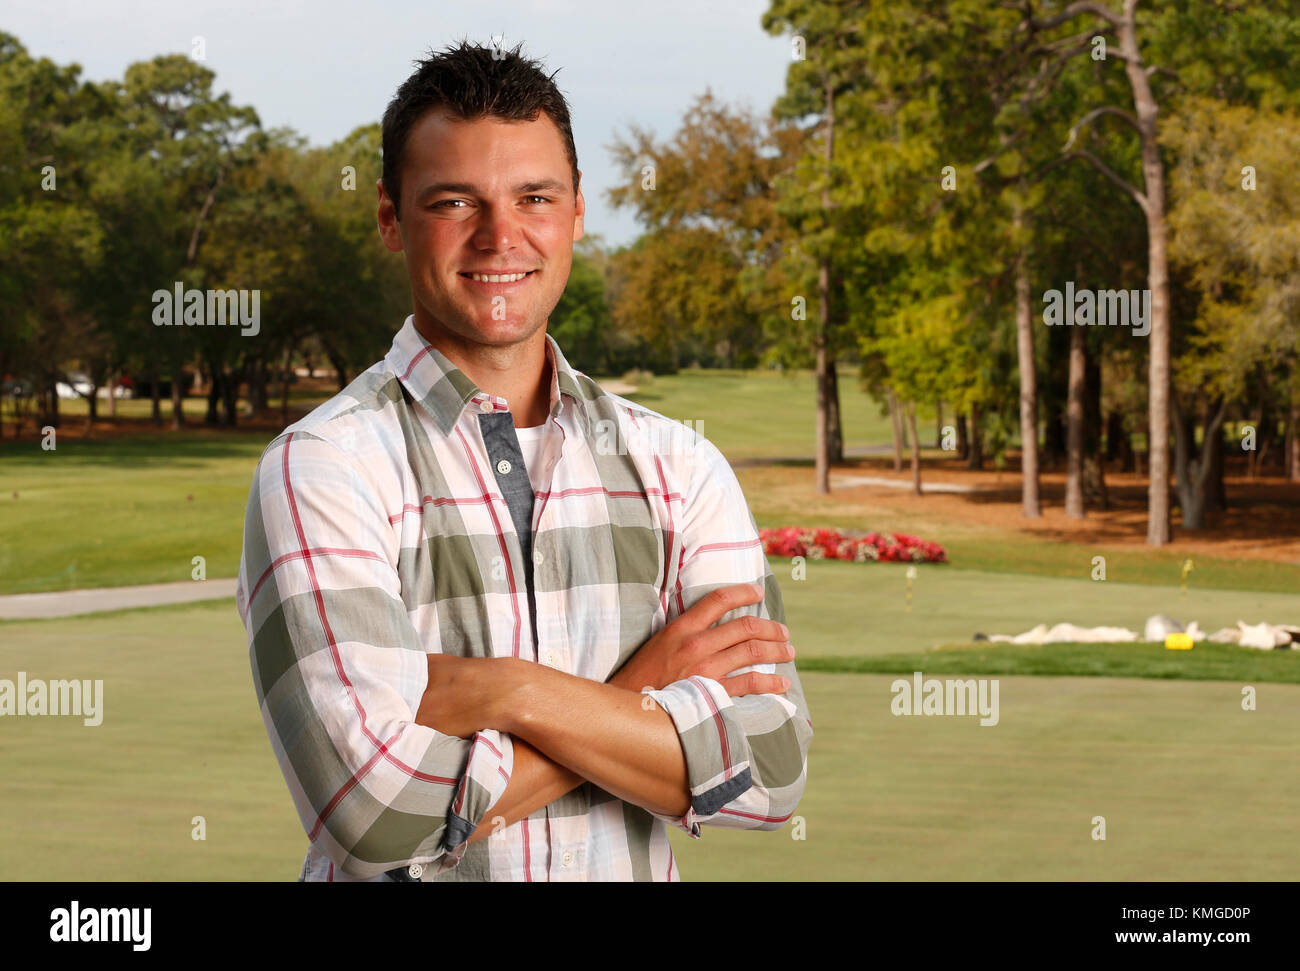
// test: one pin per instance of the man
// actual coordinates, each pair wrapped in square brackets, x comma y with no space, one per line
[487,601]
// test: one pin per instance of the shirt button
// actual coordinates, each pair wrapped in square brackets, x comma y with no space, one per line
[566,859]
[504,467]
[415,871]
[549,658]
[537,558]
[485,405]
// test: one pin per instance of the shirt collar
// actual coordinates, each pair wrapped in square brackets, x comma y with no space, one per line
[444,391]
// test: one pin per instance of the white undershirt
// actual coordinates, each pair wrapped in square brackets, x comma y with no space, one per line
[530,443]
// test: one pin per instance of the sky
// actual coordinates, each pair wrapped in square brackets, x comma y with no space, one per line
[323,68]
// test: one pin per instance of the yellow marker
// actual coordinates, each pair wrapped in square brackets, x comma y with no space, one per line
[1178,642]
[1187,568]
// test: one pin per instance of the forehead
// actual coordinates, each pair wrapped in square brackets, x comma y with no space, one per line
[486,152]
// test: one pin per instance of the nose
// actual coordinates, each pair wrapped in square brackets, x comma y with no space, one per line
[497,229]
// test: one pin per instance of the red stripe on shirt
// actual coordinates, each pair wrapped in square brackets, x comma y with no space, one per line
[318,596]
[722,729]
[317,551]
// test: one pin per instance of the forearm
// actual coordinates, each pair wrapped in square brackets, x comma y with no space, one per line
[536,781]
[603,733]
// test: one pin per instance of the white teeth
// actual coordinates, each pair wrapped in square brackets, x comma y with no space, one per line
[497,277]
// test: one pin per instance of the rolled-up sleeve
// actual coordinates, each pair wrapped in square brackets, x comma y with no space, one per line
[340,669]
[746,757]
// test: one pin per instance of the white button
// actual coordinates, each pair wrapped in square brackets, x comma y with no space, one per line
[566,859]
[485,405]
[537,557]
[415,871]
[549,658]
[504,467]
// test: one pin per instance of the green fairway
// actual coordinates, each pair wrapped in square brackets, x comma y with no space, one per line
[761,414]
[115,513]
[1192,787]
[119,512]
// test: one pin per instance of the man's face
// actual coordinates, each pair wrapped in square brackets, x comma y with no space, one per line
[486,197]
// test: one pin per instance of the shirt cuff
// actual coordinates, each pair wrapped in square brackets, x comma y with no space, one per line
[717,755]
[484,781]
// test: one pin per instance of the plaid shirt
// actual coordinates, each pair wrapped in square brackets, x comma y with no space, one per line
[382,527]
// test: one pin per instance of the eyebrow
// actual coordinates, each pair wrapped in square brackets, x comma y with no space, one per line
[467,188]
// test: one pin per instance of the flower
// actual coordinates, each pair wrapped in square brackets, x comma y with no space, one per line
[830,544]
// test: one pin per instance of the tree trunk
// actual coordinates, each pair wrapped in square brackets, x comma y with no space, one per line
[834,429]
[257,391]
[1119,444]
[1216,497]
[1074,426]
[896,421]
[153,393]
[1257,423]
[1153,205]
[976,440]
[213,416]
[1293,442]
[1193,466]
[1030,506]
[341,371]
[938,424]
[230,396]
[112,395]
[284,386]
[916,448]
[1094,464]
[822,432]
[52,417]
[823,438]
[178,397]
[963,439]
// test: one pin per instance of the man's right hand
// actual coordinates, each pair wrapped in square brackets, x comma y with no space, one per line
[691,645]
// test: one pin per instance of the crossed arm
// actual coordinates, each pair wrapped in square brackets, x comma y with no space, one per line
[340,671]
[569,729]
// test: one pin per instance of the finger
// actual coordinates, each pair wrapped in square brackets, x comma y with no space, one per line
[742,655]
[754,683]
[699,648]
[709,609]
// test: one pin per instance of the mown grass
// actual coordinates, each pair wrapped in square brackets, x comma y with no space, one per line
[1192,787]
[760,414]
[121,512]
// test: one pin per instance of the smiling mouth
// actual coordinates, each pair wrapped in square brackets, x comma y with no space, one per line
[498,279]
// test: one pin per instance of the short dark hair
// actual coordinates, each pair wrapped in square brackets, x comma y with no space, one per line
[470,81]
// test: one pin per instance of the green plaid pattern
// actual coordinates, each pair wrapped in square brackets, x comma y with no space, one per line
[377,531]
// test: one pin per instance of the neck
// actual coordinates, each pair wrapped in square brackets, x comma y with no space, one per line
[520,372]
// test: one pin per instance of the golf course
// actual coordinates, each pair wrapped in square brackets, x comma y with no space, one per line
[1192,782]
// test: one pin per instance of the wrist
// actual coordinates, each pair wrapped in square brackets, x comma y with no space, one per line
[510,697]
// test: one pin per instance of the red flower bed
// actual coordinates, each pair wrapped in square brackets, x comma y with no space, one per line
[830,544]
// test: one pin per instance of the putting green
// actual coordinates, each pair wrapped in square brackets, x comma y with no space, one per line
[1191,786]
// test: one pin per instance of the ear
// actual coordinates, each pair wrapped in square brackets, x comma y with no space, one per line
[580,210]
[390,228]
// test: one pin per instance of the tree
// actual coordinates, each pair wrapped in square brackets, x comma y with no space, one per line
[1234,224]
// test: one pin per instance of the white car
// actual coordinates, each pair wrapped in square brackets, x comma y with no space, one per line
[80,387]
